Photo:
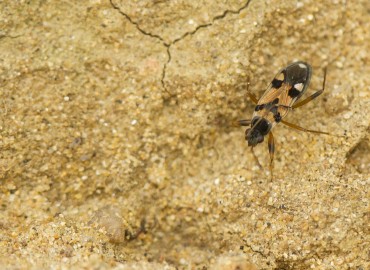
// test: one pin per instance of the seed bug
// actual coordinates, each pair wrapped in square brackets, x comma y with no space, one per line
[281,96]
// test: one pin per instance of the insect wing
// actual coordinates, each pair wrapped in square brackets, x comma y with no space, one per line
[288,85]
[298,77]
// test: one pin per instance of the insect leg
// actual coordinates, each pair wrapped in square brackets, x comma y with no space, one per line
[294,126]
[313,96]
[242,123]
[310,98]
[271,146]
[251,95]
[256,159]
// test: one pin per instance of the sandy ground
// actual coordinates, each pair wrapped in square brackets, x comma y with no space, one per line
[117,149]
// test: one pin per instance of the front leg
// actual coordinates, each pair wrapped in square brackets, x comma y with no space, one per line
[251,95]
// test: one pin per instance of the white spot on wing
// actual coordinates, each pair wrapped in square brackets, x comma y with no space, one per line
[302,65]
[299,86]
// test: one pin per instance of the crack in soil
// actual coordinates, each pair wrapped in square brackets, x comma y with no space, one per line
[255,251]
[176,40]
[137,24]
[216,18]
[9,36]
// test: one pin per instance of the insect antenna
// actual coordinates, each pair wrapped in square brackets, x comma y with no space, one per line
[256,159]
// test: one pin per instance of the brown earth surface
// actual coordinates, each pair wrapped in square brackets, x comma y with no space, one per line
[118,152]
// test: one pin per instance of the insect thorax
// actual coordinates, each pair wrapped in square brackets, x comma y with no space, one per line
[260,127]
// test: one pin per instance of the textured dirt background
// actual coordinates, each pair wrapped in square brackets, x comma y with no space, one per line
[117,149]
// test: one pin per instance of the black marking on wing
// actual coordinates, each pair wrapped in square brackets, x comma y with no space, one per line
[273,109]
[277,117]
[298,72]
[293,93]
[259,107]
[276,83]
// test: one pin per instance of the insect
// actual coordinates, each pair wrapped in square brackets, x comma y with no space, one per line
[282,96]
